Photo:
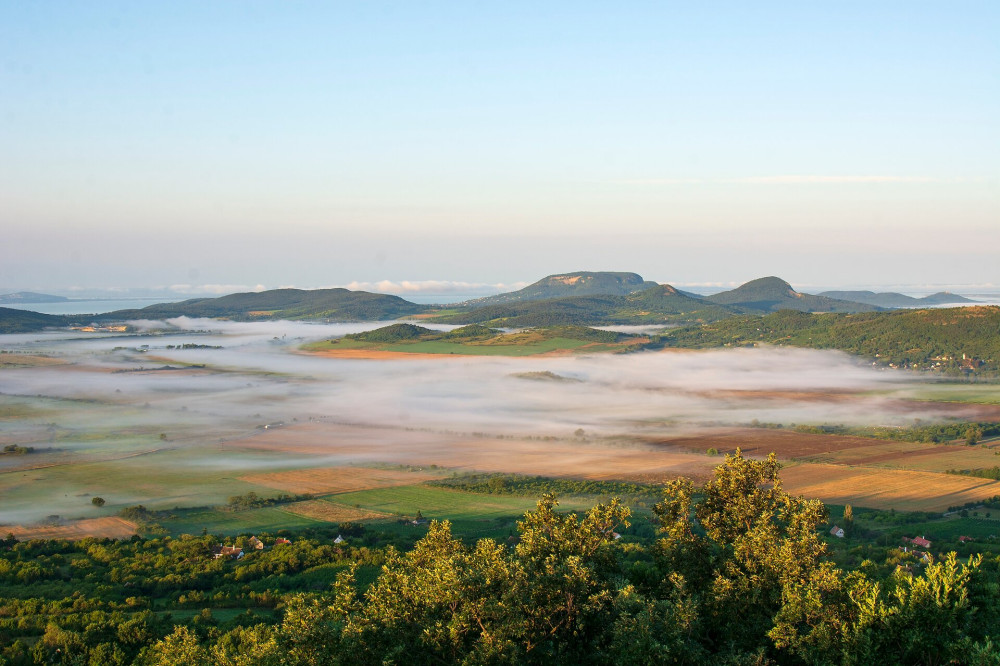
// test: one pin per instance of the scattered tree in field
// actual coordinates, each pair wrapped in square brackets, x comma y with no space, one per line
[98,501]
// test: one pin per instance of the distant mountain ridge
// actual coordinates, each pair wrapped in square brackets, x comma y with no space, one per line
[891,299]
[31,297]
[564,285]
[770,294]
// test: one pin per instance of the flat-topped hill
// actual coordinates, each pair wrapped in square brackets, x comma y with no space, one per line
[563,285]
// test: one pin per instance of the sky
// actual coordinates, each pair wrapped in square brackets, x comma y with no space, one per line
[209,147]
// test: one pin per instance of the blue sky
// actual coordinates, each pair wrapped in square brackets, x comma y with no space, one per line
[308,144]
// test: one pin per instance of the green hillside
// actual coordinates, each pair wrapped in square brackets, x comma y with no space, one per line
[924,339]
[25,321]
[770,294]
[565,285]
[661,304]
[475,340]
[325,304]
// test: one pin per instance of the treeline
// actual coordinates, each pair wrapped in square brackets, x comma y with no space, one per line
[924,339]
[252,500]
[968,432]
[535,486]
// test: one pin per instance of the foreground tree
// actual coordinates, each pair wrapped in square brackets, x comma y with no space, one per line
[738,575]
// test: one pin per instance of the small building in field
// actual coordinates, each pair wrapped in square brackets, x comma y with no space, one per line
[255,543]
[281,541]
[837,532]
[963,539]
[340,539]
[919,541]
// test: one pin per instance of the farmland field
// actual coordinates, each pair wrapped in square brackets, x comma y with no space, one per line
[443,504]
[183,418]
[110,527]
[323,480]
[332,512]
[886,488]
[267,519]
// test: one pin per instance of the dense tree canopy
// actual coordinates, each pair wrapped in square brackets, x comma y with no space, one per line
[737,574]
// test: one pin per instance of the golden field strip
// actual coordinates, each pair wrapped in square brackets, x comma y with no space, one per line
[109,527]
[333,513]
[329,480]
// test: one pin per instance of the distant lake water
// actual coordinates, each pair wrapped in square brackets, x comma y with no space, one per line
[89,307]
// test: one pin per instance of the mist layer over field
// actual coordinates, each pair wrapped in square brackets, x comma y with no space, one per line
[164,417]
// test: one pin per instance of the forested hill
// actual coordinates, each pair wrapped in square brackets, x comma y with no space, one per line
[13,320]
[770,294]
[565,285]
[325,304]
[661,304]
[924,339]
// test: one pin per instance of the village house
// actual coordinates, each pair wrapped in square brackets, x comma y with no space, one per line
[255,543]
[837,532]
[918,541]
[232,552]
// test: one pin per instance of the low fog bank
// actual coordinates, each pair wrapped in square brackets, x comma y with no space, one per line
[243,378]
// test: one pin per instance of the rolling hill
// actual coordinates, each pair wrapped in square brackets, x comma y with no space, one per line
[25,321]
[31,297]
[324,304]
[950,340]
[660,304]
[890,299]
[770,294]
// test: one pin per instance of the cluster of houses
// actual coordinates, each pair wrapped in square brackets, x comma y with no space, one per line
[236,553]
[100,329]
[253,543]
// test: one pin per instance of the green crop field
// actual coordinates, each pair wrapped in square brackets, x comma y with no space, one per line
[446,504]
[218,521]
[985,394]
[473,349]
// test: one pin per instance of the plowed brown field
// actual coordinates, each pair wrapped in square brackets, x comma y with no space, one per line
[326,480]
[110,527]
[904,490]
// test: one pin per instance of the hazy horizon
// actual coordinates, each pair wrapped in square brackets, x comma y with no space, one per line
[238,145]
